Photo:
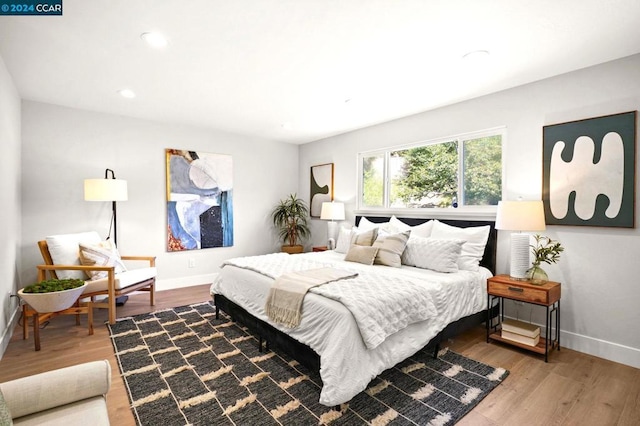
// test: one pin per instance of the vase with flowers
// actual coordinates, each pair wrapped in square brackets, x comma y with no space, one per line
[545,250]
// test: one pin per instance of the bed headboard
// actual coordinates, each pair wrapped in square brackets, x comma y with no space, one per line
[489,257]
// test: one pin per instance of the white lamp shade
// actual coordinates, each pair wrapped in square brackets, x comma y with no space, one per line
[105,190]
[332,211]
[520,216]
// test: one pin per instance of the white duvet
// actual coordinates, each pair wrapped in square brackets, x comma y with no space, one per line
[347,365]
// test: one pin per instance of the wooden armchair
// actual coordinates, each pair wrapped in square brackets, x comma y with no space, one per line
[112,286]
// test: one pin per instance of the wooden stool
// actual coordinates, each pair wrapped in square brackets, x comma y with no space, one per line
[39,317]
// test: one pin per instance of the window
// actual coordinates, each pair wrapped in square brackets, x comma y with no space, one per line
[460,171]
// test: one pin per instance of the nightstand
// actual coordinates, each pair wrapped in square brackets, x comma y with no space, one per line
[503,287]
[320,248]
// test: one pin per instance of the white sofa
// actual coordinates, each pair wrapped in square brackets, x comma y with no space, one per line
[69,396]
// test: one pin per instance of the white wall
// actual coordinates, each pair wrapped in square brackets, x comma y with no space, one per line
[10,202]
[599,270]
[63,146]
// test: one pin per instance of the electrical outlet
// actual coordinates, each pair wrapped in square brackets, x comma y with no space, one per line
[192,262]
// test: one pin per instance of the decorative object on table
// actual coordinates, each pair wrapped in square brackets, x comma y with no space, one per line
[321,187]
[52,295]
[589,171]
[332,211]
[245,384]
[290,219]
[199,200]
[545,250]
[520,216]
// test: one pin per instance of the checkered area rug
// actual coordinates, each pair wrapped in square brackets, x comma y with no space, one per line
[183,367]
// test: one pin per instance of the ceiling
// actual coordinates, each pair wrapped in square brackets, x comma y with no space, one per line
[302,70]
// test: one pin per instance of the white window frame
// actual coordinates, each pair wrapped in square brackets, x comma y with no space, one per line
[471,212]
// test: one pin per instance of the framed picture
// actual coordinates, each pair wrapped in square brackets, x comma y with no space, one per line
[588,171]
[321,187]
[199,200]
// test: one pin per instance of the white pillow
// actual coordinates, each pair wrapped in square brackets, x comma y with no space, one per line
[64,250]
[475,238]
[396,225]
[423,230]
[432,253]
[390,248]
[344,240]
[102,254]
[366,225]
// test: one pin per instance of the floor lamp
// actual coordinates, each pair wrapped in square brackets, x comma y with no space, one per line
[108,190]
[520,216]
[332,211]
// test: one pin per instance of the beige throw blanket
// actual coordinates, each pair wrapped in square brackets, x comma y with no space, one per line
[284,303]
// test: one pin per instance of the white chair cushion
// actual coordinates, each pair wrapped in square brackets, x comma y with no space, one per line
[64,250]
[123,279]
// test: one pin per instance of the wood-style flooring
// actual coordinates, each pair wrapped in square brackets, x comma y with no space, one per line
[571,389]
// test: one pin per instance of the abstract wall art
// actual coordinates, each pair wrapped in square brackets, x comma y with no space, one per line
[199,200]
[589,171]
[321,187]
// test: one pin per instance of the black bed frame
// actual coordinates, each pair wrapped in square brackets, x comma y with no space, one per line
[308,357]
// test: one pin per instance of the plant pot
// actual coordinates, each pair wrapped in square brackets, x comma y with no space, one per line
[54,301]
[293,249]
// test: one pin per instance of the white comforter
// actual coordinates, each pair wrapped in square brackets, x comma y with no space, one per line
[382,302]
[329,328]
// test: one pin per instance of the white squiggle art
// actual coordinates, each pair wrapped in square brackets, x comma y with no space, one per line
[588,180]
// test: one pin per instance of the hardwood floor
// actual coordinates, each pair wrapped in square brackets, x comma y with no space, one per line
[571,389]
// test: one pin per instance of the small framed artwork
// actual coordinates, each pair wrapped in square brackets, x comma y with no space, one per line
[321,187]
[588,171]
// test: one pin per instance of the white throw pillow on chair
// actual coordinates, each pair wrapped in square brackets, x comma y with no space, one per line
[65,250]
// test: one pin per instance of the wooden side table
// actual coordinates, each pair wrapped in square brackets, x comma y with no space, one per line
[320,248]
[548,294]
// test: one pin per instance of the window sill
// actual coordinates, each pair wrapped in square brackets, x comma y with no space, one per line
[469,213]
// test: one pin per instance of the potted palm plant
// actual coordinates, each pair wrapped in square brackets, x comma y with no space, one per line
[290,219]
[52,295]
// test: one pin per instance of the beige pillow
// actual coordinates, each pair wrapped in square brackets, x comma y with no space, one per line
[365,238]
[101,254]
[361,254]
[390,248]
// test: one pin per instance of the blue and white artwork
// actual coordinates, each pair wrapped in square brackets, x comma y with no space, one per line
[589,171]
[199,200]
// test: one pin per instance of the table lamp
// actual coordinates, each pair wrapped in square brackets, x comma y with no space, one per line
[332,211]
[520,216]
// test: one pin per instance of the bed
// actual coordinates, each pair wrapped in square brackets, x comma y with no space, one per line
[330,338]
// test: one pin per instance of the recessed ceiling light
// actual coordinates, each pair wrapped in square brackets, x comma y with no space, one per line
[155,40]
[127,93]
[476,55]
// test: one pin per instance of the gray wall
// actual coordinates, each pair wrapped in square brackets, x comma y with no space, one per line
[63,146]
[10,201]
[599,269]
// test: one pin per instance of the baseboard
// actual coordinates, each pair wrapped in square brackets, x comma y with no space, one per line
[7,333]
[189,281]
[597,347]
[601,348]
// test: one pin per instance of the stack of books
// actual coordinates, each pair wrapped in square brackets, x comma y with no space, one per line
[521,332]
